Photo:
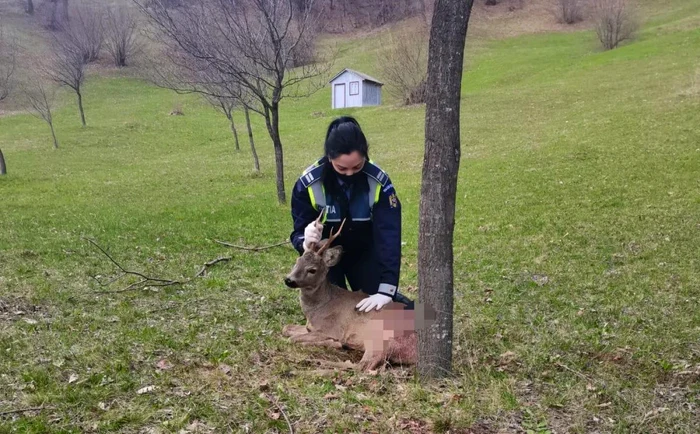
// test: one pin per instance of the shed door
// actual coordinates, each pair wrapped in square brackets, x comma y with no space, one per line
[339,95]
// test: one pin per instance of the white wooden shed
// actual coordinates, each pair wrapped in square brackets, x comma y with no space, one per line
[355,89]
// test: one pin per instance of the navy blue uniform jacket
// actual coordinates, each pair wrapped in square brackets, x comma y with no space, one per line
[381,231]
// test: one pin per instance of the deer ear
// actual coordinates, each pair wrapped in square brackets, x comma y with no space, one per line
[332,256]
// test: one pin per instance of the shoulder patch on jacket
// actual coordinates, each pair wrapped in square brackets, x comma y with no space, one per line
[375,172]
[312,173]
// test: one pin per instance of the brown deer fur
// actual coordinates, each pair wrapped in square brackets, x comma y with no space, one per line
[387,335]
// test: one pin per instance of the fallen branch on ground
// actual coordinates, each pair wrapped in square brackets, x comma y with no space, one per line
[211,263]
[24,410]
[146,280]
[251,249]
[279,407]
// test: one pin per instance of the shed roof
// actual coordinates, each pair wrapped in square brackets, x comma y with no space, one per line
[364,76]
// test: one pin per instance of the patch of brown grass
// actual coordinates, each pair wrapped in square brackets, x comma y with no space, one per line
[519,17]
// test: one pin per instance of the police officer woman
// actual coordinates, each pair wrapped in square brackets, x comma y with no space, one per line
[349,186]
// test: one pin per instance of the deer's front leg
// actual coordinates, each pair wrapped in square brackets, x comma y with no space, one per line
[314,338]
[291,330]
[371,361]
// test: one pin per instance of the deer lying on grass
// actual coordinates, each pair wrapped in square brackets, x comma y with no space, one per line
[332,320]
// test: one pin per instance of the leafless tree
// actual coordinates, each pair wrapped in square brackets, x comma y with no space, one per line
[256,162]
[121,36]
[569,11]
[8,63]
[226,106]
[404,64]
[339,15]
[189,75]
[3,166]
[54,14]
[49,15]
[86,30]
[66,66]
[448,34]
[250,42]
[615,22]
[40,97]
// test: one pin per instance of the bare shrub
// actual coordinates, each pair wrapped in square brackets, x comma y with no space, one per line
[121,36]
[40,98]
[66,66]
[569,11]
[615,21]
[304,52]
[404,64]
[86,30]
[342,16]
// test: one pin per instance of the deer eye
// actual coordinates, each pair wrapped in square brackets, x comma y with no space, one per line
[311,270]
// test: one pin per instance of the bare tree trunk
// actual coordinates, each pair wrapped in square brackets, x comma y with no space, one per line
[439,185]
[272,122]
[80,106]
[30,7]
[256,162]
[229,115]
[3,166]
[53,133]
[53,17]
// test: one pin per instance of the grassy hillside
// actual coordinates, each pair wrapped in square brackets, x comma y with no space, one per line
[576,247]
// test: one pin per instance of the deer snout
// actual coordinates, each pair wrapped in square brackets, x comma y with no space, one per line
[290,283]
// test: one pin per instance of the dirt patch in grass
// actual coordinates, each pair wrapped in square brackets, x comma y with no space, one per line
[17,308]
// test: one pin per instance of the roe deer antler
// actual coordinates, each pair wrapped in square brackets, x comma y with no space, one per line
[312,246]
[320,216]
[330,239]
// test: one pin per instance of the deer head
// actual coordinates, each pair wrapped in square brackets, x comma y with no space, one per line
[312,266]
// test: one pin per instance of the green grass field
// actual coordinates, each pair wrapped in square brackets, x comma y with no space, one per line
[577,241]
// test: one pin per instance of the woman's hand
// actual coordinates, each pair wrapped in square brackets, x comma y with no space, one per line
[376,301]
[312,234]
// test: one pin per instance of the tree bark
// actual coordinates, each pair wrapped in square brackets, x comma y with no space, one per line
[53,134]
[439,185]
[229,115]
[272,122]
[256,162]
[30,7]
[80,106]
[3,166]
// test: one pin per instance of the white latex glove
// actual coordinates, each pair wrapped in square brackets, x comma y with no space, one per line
[376,301]
[312,233]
